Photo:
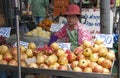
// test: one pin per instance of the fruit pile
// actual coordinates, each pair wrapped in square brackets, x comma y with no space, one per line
[9,55]
[45,24]
[89,57]
[38,31]
[93,57]
[3,41]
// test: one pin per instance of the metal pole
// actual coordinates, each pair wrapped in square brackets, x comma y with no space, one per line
[105,16]
[119,45]
[20,5]
[18,37]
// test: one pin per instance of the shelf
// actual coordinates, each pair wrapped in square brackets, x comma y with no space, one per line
[70,74]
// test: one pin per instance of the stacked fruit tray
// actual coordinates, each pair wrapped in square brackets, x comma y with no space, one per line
[91,59]
[69,74]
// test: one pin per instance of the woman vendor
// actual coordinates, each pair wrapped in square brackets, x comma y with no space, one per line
[73,31]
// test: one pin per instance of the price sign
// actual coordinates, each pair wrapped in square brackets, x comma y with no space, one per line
[5,31]
[65,46]
[55,27]
[22,43]
[108,39]
[69,67]
[30,60]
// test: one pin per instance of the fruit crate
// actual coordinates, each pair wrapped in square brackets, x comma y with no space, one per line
[39,41]
[69,74]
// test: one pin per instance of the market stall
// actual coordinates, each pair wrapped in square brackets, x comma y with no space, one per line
[35,61]
[69,74]
[29,53]
[55,61]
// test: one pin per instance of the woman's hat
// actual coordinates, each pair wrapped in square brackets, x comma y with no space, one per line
[72,9]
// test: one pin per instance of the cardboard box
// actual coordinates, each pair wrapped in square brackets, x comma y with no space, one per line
[2,20]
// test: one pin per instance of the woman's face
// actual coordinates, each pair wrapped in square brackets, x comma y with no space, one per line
[72,19]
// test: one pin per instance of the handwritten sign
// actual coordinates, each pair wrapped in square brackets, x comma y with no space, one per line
[30,60]
[93,16]
[22,43]
[56,27]
[65,46]
[5,31]
[92,22]
[108,39]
